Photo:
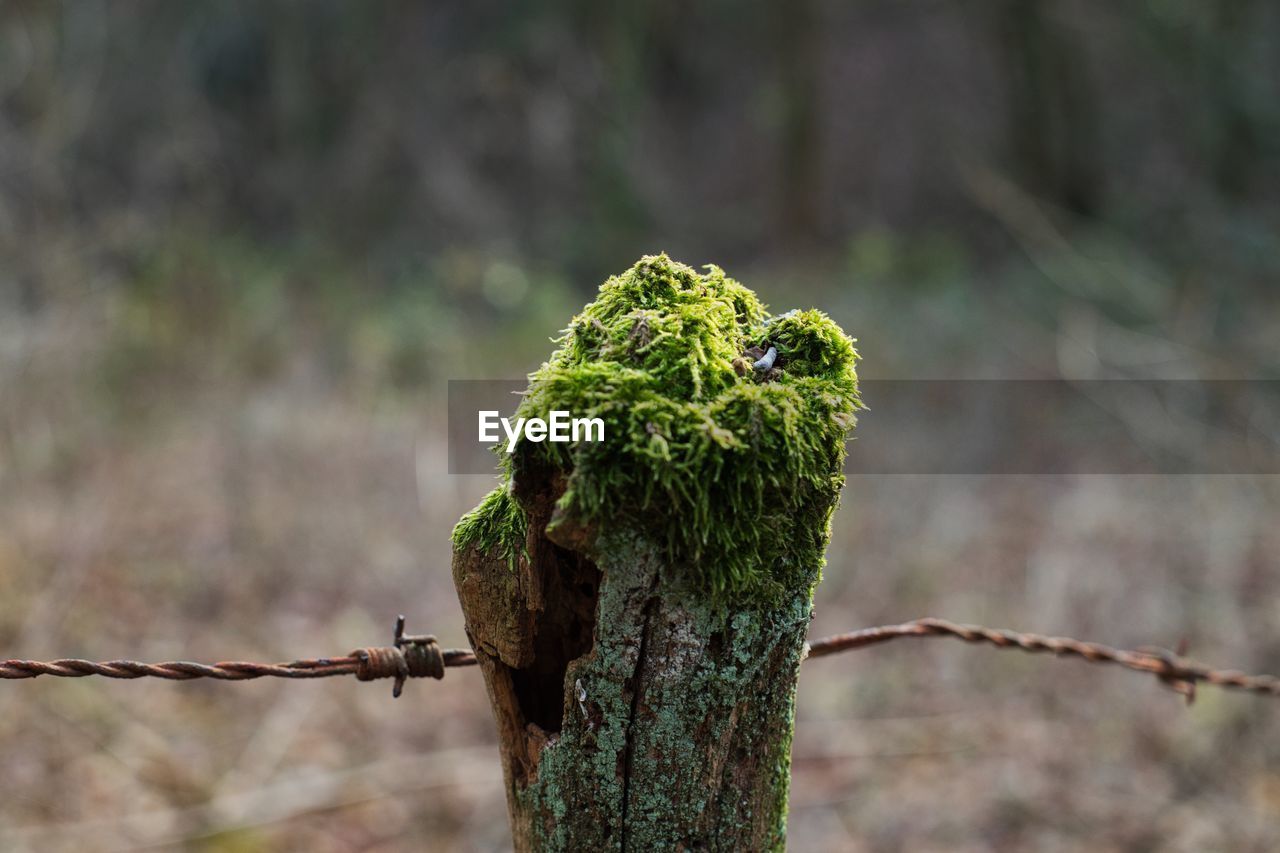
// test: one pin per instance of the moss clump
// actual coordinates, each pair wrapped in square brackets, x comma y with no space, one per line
[497,524]
[735,470]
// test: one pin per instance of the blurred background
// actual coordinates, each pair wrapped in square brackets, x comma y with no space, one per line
[244,245]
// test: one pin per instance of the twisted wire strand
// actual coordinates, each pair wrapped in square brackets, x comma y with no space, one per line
[352,664]
[1172,670]
[420,657]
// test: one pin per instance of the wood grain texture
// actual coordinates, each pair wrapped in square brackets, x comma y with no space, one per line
[631,714]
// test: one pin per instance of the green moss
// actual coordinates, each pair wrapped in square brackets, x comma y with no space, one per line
[497,524]
[734,470]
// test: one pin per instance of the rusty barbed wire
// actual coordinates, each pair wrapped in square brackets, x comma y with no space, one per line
[409,656]
[1173,671]
[418,656]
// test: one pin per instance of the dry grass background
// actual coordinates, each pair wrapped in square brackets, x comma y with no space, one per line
[211,513]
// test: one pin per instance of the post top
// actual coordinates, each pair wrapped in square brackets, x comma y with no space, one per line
[725,428]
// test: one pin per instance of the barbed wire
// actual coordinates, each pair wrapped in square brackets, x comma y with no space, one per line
[1173,670]
[409,656]
[419,656]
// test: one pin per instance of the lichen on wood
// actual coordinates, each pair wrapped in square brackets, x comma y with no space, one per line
[639,605]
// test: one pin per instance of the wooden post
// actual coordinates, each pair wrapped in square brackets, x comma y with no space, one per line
[639,606]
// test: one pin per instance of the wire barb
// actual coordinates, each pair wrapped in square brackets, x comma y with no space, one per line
[1173,670]
[412,656]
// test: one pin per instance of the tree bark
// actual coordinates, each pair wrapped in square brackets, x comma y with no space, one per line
[632,714]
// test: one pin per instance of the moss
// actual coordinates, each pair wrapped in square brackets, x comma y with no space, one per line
[734,470]
[498,524]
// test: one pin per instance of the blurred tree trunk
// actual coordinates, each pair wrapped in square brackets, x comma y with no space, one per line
[1053,120]
[631,716]
[1235,132]
[796,38]
[1211,53]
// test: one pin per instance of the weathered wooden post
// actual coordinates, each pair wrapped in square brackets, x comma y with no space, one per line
[639,605]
